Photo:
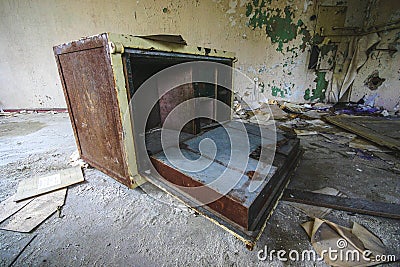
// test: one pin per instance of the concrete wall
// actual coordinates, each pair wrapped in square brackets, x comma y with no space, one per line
[271,38]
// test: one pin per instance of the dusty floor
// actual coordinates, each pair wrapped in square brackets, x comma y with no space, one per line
[105,223]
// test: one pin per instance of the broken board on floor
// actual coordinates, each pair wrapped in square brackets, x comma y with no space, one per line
[35,212]
[240,211]
[382,131]
[9,207]
[39,185]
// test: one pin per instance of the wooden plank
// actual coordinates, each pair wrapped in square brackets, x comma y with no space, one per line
[356,205]
[9,207]
[382,131]
[33,214]
[39,185]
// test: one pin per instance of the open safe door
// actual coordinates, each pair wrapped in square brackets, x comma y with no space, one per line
[145,110]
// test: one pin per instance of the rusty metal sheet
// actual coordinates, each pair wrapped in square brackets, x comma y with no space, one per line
[170,38]
[89,88]
[81,44]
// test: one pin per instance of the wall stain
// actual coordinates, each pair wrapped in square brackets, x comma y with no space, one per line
[319,92]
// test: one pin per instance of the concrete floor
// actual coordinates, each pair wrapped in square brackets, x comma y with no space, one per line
[107,224]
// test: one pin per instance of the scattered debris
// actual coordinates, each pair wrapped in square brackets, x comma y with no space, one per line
[385,113]
[304,132]
[326,235]
[293,108]
[314,114]
[354,108]
[39,185]
[341,138]
[34,213]
[277,112]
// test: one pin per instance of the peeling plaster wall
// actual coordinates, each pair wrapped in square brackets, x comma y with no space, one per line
[383,59]
[271,39]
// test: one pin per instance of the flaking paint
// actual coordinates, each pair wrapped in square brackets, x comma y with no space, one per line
[319,92]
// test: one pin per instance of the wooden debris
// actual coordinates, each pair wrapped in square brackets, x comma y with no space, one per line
[34,213]
[357,205]
[317,211]
[39,185]
[9,207]
[381,131]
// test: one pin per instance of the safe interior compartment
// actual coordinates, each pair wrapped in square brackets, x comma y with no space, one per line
[101,74]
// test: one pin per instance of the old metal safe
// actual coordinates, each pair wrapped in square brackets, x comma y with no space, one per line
[104,74]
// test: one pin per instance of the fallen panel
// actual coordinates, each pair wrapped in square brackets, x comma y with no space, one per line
[382,131]
[39,185]
[38,210]
[9,207]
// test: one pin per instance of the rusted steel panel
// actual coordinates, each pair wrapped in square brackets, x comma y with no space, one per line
[173,98]
[87,77]
[230,208]
[82,44]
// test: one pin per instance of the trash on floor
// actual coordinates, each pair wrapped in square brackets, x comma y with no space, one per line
[358,246]
[300,132]
[293,108]
[338,137]
[35,186]
[314,114]
[34,213]
[277,112]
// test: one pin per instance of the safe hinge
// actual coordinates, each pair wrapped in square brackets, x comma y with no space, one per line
[116,47]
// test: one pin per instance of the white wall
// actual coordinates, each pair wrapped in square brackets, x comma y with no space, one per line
[29,29]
